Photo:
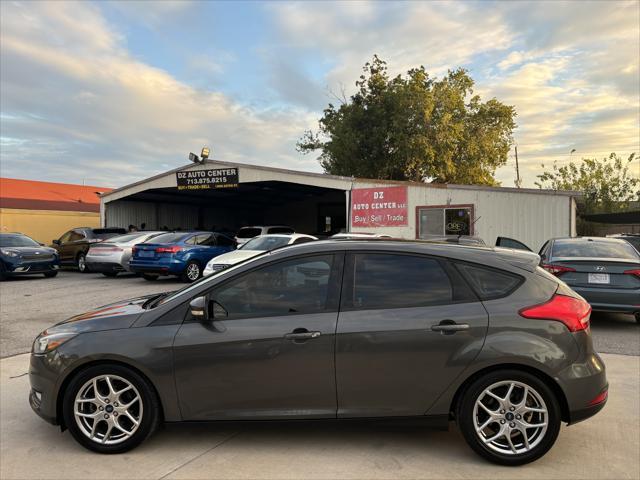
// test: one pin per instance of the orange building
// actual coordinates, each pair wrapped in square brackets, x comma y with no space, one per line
[45,210]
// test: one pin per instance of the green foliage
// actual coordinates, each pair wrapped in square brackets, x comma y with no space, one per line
[607,185]
[412,128]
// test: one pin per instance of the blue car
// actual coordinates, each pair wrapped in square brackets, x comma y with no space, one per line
[183,254]
[22,255]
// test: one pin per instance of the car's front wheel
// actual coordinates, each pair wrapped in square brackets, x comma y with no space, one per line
[509,417]
[110,408]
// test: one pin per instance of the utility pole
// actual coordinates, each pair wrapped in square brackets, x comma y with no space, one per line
[517,169]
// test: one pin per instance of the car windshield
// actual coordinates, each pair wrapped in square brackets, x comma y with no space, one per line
[593,249]
[17,241]
[173,237]
[249,232]
[265,243]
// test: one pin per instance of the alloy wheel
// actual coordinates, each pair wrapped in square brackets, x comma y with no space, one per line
[510,417]
[108,409]
[193,271]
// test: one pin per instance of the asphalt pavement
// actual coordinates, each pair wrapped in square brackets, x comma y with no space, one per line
[29,305]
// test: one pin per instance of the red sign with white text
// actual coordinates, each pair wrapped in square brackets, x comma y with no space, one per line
[379,207]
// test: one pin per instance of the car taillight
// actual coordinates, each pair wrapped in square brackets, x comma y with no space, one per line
[573,312]
[174,249]
[635,271]
[557,269]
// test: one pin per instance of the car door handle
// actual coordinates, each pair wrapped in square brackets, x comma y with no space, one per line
[298,334]
[449,327]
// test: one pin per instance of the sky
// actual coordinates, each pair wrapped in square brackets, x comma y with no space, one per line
[108,93]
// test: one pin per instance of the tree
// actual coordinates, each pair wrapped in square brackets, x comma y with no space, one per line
[413,128]
[606,185]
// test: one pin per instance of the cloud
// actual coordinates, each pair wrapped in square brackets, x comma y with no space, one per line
[570,69]
[78,106]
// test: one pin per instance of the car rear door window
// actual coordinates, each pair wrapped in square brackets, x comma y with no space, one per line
[489,283]
[291,287]
[379,280]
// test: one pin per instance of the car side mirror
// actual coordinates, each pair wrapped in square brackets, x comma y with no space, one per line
[198,308]
[56,242]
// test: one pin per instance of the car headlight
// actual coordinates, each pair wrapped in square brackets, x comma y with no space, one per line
[9,253]
[45,342]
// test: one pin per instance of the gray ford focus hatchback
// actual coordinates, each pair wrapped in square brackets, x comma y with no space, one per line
[391,330]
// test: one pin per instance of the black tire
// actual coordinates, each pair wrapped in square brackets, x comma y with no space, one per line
[110,274]
[192,272]
[150,408]
[51,274]
[81,263]
[466,421]
[637,315]
[149,277]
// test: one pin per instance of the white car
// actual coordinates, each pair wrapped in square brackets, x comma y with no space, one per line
[253,247]
[112,256]
[247,233]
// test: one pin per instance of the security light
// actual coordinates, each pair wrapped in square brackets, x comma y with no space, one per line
[205,153]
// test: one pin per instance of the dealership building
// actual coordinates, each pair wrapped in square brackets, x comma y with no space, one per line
[216,195]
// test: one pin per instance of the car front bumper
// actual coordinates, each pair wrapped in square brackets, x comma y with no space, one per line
[43,395]
[29,268]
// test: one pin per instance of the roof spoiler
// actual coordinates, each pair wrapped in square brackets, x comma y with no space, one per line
[519,258]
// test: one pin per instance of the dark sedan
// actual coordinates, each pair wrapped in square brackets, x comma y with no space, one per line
[21,255]
[335,330]
[605,271]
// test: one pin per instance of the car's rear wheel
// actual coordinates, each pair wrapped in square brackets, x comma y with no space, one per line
[192,272]
[110,408]
[110,274]
[81,263]
[509,417]
[149,277]
[51,274]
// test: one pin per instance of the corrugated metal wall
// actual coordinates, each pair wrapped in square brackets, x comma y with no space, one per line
[531,218]
[122,213]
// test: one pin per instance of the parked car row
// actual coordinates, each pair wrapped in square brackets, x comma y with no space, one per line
[604,270]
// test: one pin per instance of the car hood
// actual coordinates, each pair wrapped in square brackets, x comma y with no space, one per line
[114,316]
[234,257]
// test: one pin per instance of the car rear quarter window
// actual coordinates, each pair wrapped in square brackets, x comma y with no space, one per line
[381,281]
[594,249]
[489,283]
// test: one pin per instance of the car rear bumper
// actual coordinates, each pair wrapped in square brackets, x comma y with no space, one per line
[610,299]
[105,267]
[107,263]
[164,266]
